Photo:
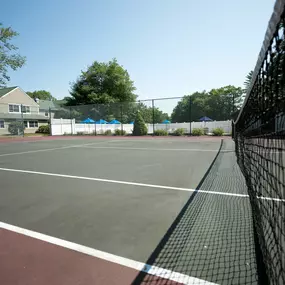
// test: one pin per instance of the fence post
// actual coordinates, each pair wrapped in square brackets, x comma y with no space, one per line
[49,112]
[70,120]
[22,120]
[152,117]
[95,119]
[190,116]
[122,127]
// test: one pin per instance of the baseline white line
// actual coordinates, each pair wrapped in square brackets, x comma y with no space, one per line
[154,149]
[122,182]
[50,149]
[139,266]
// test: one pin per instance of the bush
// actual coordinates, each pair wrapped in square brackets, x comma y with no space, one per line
[80,133]
[119,132]
[179,132]
[218,132]
[16,128]
[160,133]
[140,129]
[108,133]
[43,129]
[197,132]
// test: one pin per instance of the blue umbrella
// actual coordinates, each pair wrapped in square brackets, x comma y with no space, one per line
[166,122]
[101,121]
[132,122]
[88,121]
[114,122]
[205,119]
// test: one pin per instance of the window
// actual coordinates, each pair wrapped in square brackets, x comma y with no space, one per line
[14,108]
[33,124]
[2,126]
[46,114]
[26,124]
[26,109]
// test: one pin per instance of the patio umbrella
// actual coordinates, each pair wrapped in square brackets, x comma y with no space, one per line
[132,122]
[166,122]
[205,119]
[88,121]
[101,121]
[114,122]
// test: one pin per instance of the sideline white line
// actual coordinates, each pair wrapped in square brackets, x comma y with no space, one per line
[50,149]
[136,184]
[154,149]
[139,266]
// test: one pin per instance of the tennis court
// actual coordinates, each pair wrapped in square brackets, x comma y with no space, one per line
[131,203]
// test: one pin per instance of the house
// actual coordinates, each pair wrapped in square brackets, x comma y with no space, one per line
[16,105]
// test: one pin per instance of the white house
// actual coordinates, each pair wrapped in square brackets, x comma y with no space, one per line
[16,105]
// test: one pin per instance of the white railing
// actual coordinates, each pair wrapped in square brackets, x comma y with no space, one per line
[66,126]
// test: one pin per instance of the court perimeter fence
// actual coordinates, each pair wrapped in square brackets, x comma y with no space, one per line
[101,118]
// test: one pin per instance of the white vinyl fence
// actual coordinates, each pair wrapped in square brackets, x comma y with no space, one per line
[69,127]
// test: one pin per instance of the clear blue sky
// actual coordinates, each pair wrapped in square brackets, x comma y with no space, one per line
[169,47]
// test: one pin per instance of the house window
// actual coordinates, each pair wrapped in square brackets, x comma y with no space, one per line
[26,109]
[26,124]
[46,114]
[2,126]
[33,124]
[14,108]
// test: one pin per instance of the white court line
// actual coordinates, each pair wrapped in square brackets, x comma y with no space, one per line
[136,184]
[139,266]
[50,149]
[155,149]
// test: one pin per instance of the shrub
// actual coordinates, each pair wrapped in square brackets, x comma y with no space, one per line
[197,132]
[218,132]
[119,132]
[179,132]
[160,133]
[80,133]
[108,133]
[43,129]
[140,129]
[16,128]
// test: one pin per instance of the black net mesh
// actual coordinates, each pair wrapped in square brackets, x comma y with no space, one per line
[260,147]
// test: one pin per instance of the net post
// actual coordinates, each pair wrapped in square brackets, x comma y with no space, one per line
[152,116]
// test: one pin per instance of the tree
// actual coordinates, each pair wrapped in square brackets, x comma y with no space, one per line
[248,80]
[8,59]
[41,94]
[102,83]
[218,104]
[140,128]
[16,128]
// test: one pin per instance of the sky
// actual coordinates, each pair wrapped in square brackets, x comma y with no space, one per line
[169,47]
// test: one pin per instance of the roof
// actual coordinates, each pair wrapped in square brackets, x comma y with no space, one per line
[46,104]
[4,91]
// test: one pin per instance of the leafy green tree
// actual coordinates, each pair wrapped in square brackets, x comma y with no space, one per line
[248,80]
[102,83]
[8,57]
[16,128]
[41,94]
[140,129]
[218,104]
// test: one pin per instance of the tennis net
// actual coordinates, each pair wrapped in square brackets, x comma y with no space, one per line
[260,147]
